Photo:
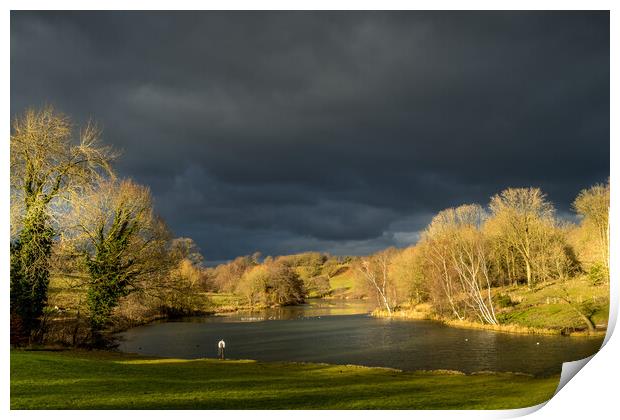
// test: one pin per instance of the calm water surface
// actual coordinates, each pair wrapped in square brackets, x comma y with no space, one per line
[343,333]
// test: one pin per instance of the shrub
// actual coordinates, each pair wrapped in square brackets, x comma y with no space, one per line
[597,274]
[504,301]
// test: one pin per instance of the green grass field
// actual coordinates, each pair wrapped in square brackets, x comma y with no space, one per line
[108,380]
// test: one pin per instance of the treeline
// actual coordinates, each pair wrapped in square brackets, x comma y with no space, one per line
[73,218]
[281,280]
[467,251]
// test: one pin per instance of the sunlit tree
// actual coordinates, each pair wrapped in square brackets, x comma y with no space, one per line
[459,252]
[375,273]
[49,162]
[122,242]
[592,205]
[520,219]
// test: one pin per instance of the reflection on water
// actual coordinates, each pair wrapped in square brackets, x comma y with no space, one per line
[313,308]
[343,333]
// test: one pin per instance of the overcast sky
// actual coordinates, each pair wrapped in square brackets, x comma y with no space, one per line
[337,132]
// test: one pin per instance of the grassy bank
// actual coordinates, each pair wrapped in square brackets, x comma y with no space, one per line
[105,380]
[343,282]
[531,311]
[543,307]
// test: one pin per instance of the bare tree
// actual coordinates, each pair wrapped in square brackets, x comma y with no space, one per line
[469,259]
[253,285]
[48,163]
[186,248]
[438,271]
[179,292]
[592,205]
[458,253]
[519,217]
[407,274]
[375,269]
[226,276]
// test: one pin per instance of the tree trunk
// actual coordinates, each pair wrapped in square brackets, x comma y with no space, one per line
[528,272]
[385,301]
[588,322]
[583,316]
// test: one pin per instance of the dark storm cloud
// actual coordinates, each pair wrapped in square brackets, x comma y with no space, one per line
[343,132]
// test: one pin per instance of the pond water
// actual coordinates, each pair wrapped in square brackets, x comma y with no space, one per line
[342,332]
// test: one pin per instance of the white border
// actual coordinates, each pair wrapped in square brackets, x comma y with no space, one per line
[592,394]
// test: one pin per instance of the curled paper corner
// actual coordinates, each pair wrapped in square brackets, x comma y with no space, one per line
[521,412]
[570,369]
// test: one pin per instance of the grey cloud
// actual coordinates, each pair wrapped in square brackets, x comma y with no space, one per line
[341,132]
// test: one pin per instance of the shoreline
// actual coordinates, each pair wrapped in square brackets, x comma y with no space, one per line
[138,356]
[505,328]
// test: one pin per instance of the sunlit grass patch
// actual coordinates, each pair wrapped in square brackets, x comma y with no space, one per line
[106,380]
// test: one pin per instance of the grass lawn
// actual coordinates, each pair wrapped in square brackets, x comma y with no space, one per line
[102,380]
[543,308]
